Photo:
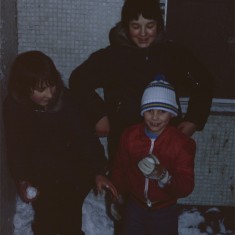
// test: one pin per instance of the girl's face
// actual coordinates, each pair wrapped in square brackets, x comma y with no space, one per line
[157,120]
[43,95]
[143,31]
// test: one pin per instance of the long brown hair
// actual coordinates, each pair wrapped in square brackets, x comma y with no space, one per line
[29,71]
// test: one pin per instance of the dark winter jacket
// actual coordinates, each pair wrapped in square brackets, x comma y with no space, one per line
[47,146]
[124,70]
[174,150]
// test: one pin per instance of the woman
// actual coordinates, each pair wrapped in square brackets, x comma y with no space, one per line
[137,54]
[49,146]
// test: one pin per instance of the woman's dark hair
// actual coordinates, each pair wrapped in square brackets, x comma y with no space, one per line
[149,9]
[31,70]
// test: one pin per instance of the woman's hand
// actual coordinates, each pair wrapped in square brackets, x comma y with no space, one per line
[188,128]
[102,182]
[102,127]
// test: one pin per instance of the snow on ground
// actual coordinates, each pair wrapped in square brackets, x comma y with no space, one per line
[96,222]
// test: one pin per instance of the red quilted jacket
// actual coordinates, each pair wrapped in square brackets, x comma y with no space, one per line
[175,152]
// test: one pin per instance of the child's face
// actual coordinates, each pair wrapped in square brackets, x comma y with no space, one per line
[157,120]
[143,31]
[43,95]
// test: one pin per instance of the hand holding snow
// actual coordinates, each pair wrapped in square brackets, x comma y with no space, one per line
[31,192]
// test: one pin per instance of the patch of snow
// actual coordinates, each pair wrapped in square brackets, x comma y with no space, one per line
[96,221]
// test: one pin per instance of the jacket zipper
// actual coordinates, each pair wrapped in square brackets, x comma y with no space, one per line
[191,78]
[146,186]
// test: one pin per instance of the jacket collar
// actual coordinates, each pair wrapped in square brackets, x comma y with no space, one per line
[164,132]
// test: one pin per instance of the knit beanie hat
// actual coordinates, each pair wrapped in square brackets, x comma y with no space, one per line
[159,95]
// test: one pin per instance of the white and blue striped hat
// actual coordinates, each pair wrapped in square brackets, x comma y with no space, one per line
[159,95]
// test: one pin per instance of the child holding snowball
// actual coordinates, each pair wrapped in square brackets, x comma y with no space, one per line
[53,155]
[154,166]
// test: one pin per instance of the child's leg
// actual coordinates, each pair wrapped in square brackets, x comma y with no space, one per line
[163,221]
[58,209]
[46,212]
[72,201]
[142,221]
[133,221]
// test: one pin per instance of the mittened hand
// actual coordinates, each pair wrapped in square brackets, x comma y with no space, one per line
[150,167]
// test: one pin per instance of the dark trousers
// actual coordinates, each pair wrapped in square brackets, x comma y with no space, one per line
[143,221]
[58,209]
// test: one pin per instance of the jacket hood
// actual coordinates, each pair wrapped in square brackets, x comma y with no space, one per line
[119,37]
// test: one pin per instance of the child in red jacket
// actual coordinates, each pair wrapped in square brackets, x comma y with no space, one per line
[154,166]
